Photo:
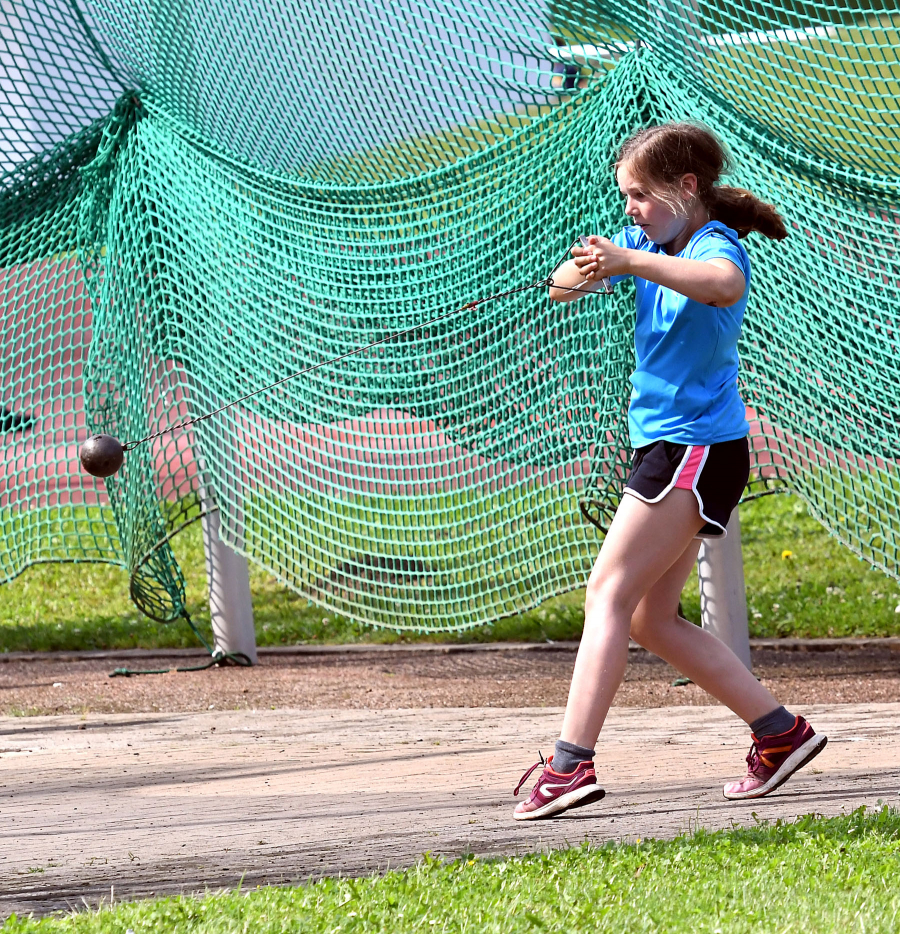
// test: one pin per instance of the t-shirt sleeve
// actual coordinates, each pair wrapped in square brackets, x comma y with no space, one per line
[631,238]
[715,246]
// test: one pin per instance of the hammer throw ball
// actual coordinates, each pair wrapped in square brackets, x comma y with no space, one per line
[102,455]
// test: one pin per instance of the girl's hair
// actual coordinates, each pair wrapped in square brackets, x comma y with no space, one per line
[659,156]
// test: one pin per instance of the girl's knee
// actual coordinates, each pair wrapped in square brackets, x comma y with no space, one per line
[654,627]
[642,628]
[597,597]
[605,602]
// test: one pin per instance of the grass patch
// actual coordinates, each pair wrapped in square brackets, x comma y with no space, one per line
[819,589]
[814,874]
[802,582]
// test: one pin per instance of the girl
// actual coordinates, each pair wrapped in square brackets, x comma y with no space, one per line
[691,456]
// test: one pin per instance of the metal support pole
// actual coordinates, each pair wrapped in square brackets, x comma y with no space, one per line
[723,600]
[230,603]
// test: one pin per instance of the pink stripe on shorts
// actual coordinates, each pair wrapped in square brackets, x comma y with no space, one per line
[716,474]
[688,473]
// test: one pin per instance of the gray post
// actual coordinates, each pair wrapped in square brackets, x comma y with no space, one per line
[228,575]
[723,600]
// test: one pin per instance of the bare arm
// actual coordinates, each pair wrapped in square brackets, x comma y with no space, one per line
[569,276]
[712,282]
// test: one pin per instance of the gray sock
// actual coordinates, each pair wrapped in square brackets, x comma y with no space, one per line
[773,723]
[566,756]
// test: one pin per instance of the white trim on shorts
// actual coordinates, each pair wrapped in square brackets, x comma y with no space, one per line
[687,454]
[703,516]
[674,480]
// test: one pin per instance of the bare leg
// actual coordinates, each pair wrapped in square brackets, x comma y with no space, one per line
[706,660]
[643,542]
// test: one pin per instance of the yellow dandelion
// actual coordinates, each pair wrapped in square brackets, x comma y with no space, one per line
[786,554]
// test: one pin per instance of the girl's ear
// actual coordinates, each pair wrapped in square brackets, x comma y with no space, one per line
[688,186]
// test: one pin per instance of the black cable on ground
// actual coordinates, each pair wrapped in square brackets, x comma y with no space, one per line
[216,658]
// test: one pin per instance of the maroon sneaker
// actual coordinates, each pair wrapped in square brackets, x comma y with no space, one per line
[556,792]
[772,760]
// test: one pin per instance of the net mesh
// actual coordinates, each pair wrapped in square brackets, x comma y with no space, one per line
[199,199]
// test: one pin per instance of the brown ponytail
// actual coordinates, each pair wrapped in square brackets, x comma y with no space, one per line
[660,156]
[744,212]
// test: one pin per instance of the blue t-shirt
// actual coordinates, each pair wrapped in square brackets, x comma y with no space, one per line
[684,388]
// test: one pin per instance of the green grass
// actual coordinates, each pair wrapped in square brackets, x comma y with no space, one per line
[821,589]
[813,875]
[806,91]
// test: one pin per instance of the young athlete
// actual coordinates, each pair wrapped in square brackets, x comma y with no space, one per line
[691,457]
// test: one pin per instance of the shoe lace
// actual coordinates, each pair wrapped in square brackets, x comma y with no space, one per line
[524,778]
[753,758]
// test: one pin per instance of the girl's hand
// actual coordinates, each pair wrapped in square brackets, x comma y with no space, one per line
[601,259]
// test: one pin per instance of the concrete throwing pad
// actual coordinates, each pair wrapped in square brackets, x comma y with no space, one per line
[159,804]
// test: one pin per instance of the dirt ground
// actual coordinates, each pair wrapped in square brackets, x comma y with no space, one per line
[195,781]
[141,804]
[397,678]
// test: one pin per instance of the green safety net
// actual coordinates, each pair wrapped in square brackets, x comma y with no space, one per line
[200,199]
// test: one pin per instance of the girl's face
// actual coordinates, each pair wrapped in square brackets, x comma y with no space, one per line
[658,221]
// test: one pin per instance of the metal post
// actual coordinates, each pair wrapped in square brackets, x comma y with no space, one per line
[723,600]
[228,575]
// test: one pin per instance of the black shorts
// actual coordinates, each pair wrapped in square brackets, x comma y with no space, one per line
[716,474]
